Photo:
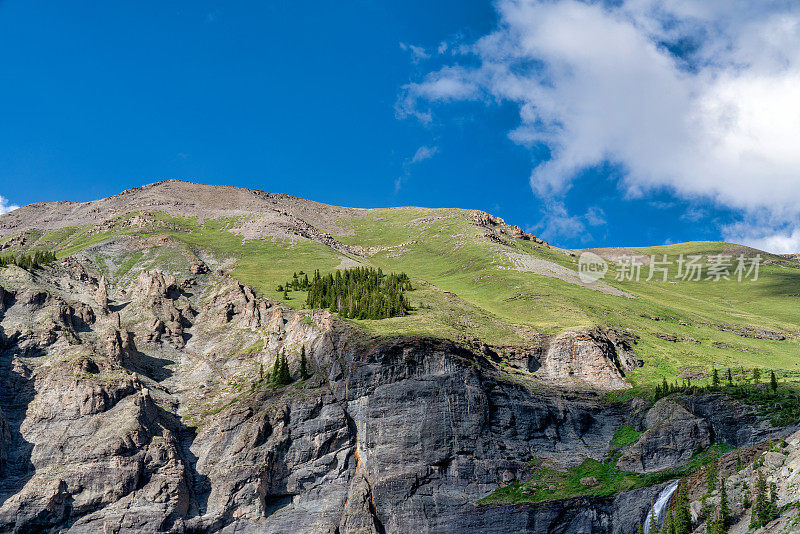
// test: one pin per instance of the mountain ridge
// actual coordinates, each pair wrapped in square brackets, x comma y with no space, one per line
[137,391]
[477,276]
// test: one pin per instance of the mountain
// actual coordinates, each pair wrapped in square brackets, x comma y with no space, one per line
[515,395]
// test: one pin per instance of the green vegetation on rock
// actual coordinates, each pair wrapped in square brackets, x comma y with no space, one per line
[550,484]
[28,261]
[473,281]
[625,435]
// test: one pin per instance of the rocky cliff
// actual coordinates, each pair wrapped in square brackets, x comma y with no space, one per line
[143,405]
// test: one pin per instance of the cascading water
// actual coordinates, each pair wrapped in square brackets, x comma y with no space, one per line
[660,506]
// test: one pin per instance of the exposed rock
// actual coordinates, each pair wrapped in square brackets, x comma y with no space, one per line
[673,435]
[732,422]
[5,299]
[155,284]
[157,418]
[752,332]
[586,355]
[161,298]
[198,267]
[497,239]
[101,296]
[33,299]
[120,348]
[482,218]
[184,199]
[497,228]
[778,461]
[18,241]
[676,428]
[76,317]
[676,339]
[5,441]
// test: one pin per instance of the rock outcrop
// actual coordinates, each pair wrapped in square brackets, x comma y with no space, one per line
[676,428]
[497,228]
[673,435]
[778,461]
[160,417]
[593,356]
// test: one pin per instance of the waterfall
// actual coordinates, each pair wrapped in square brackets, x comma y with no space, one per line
[660,506]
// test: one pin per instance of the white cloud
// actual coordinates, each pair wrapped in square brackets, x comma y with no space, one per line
[446,85]
[693,214]
[5,207]
[418,53]
[423,153]
[701,97]
[558,223]
[595,216]
[777,243]
[763,235]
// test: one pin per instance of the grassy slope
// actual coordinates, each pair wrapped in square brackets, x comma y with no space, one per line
[466,285]
[474,270]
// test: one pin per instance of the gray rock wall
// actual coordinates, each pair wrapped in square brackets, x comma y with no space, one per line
[145,410]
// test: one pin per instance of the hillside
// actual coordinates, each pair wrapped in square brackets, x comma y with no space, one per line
[154,378]
[476,277]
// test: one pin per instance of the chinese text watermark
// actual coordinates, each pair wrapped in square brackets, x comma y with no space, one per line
[664,268]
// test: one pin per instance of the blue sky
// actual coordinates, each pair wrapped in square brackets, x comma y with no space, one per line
[568,130]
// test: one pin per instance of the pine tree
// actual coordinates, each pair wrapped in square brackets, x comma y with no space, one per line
[653,523]
[280,374]
[28,261]
[286,376]
[669,523]
[724,508]
[304,374]
[772,506]
[715,379]
[705,511]
[758,516]
[360,293]
[276,369]
[682,518]
[285,294]
[711,477]
[716,526]
[773,382]
[756,375]
[730,377]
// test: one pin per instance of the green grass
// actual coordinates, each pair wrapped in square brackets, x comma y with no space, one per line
[465,286]
[452,255]
[551,484]
[126,266]
[625,435]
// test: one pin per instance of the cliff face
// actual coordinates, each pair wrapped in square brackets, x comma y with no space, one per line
[146,408]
